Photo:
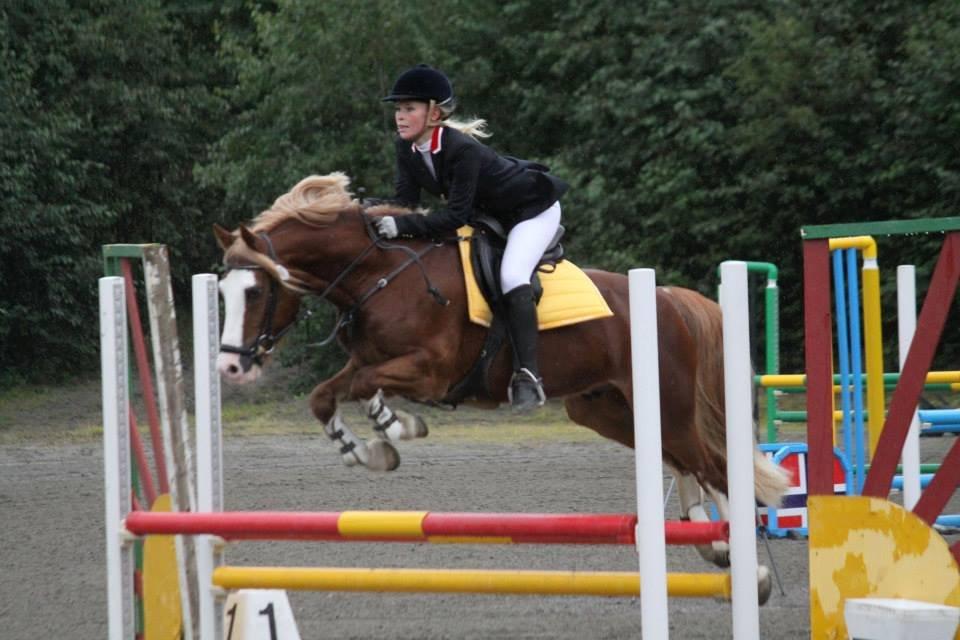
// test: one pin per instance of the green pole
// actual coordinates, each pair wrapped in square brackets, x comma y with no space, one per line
[771,330]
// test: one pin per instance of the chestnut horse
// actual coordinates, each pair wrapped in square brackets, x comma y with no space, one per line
[403,320]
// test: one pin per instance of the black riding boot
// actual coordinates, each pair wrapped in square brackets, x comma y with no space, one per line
[526,388]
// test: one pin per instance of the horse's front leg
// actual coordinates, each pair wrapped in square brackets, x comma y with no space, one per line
[393,424]
[412,375]
[376,456]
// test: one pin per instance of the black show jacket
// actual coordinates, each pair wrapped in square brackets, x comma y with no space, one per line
[473,179]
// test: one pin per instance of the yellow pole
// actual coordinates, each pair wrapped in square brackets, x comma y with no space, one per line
[589,583]
[872,333]
[783,380]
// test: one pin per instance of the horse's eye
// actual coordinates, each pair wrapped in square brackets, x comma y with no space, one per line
[253,293]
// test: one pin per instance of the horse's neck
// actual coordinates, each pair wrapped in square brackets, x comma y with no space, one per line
[356,267]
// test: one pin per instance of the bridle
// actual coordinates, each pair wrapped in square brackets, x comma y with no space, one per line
[266,340]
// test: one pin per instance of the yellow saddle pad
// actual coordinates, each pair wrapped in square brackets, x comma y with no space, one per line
[569,296]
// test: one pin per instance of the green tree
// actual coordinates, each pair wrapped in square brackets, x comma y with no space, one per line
[106,113]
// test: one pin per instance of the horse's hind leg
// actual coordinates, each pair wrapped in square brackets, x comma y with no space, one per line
[721,551]
[605,410]
[692,508]
[393,424]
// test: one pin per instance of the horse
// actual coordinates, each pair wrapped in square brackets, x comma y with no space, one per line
[402,318]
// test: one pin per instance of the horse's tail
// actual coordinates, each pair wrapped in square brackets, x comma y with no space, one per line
[705,323]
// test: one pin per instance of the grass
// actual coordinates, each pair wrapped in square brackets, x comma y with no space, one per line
[72,414]
[44,415]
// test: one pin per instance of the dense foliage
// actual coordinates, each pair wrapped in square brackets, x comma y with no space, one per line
[692,131]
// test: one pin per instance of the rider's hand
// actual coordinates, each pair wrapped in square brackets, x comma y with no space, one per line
[386,227]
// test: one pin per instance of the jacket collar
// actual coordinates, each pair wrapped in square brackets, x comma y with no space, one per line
[436,141]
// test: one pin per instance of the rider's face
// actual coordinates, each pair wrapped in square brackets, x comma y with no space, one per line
[412,122]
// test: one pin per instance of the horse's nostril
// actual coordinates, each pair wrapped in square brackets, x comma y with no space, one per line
[233,369]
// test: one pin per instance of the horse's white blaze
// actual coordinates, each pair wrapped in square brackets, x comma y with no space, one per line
[233,288]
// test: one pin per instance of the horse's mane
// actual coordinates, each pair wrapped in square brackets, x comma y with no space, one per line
[318,200]
[315,200]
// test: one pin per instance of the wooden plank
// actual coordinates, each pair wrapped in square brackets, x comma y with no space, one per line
[885,228]
[818,338]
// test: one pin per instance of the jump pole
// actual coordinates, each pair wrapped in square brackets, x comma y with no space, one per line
[435,527]
[738,399]
[651,539]
[113,368]
[209,429]
[906,327]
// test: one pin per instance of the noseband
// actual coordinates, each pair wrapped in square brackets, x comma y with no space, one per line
[266,339]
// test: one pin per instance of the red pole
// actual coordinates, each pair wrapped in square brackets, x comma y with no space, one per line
[519,528]
[941,488]
[818,351]
[146,382]
[150,492]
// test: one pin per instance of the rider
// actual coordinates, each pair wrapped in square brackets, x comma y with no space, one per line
[445,157]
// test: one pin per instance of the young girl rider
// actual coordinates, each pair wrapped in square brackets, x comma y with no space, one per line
[445,157]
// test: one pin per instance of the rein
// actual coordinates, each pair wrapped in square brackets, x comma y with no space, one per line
[266,339]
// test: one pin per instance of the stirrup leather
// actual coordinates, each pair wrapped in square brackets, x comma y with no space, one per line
[537,382]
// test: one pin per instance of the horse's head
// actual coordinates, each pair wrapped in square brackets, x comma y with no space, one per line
[313,239]
[258,308]
[266,271]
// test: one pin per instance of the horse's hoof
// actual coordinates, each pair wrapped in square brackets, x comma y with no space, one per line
[764,584]
[705,551]
[721,556]
[420,428]
[412,427]
[717,555]
[382,456]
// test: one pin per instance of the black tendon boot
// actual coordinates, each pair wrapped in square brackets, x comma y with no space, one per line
[526,388]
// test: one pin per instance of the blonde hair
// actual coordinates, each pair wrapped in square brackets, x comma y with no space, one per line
[476,128]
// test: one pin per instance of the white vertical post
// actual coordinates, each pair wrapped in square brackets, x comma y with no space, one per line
[116,456]
[209,460]
[650,534]
[906,327]
[738,397]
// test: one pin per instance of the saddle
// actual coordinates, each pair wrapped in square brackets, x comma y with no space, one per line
[488,242]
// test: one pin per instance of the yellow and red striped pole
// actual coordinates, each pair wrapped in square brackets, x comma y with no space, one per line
[419,526]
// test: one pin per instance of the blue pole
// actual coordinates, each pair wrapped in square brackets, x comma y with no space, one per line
[843,350]
[856,351]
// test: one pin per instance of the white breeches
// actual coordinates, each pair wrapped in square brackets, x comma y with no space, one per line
[526,243]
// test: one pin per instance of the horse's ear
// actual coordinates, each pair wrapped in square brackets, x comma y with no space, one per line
[224,237]
[248,238]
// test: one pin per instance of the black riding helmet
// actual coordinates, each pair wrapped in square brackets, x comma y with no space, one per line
[422,82]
